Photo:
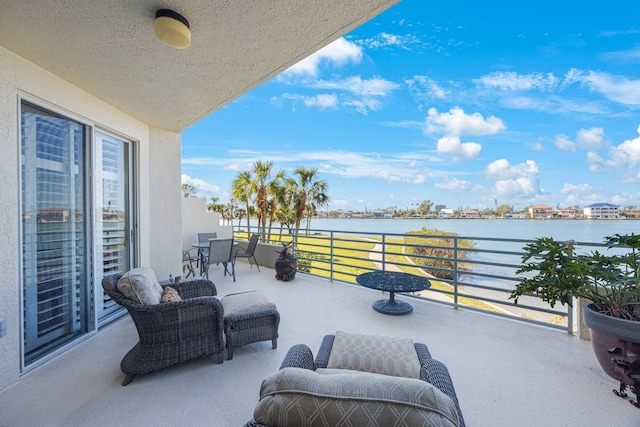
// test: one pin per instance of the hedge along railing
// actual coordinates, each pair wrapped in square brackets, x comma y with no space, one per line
[480,277]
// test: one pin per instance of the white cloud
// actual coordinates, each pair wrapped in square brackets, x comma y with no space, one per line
[339,52]
[364,105]
[514,180]
[386,39]
[588,139]
[457,123]
[376,86]
[621,158]
[615,88]
[420,178]
[581,189]
[453,184]
[563,142]
[508,80]
[591,139]
[580,194]
[459,150]
[423,87]
[631,55]
[537,146]
[362,94]
[631,149]
[322,101]
[203,188]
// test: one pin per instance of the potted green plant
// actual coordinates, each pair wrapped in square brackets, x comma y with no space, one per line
[287,264]
[610,282]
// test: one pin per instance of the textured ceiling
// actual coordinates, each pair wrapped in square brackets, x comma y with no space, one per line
[108,48]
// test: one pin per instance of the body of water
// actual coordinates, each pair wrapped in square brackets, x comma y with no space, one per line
[591,231]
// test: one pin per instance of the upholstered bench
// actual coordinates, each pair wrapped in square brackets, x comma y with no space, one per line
[249,317]
[364,384]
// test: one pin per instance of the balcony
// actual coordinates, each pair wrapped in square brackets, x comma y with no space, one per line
[506,373]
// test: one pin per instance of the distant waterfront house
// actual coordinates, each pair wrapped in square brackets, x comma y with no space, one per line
[446,213]
[540,212]
[566,214]
[469,213]
[515,216]
[601,211]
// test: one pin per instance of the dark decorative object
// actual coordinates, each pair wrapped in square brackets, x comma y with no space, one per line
[610,282]
[286,264]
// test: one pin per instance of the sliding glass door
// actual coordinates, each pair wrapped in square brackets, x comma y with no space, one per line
[113,213]
[56,262]
[76,226]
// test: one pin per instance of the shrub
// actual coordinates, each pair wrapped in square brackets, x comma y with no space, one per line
[435,245]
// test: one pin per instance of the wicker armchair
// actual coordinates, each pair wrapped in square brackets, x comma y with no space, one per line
[173,332]
[432,371]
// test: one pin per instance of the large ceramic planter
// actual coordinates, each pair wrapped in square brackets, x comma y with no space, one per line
[286,269]
[612,337]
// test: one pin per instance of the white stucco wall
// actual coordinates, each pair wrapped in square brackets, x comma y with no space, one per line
[165,215]
[196,219]
[159,225]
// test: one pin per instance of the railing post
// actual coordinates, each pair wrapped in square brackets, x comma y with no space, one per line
[331,245]
[455,272]
[570,309]
[384,252]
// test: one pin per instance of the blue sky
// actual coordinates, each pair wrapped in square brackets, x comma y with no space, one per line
[467,104]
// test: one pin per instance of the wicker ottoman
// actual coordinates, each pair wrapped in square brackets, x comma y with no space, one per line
[249,317]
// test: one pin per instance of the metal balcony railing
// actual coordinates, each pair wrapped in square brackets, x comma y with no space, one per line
[476,273]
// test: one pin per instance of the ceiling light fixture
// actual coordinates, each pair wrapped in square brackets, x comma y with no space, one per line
[172,29]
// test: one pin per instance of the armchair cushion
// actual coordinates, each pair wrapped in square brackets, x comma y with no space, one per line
[140,285]
[170,295]
[378,354]
[296,396]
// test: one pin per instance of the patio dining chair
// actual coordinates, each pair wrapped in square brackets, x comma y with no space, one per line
[220,252]
[249,252]
[204,238]
[190,261]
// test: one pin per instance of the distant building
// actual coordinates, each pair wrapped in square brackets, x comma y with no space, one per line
[469,213]
[438,208]
[601,211]
[540,212]
[566,214]
[515,216]
[445,213]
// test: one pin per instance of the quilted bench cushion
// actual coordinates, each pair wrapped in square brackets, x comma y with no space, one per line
[297,397]
[246,302]
[378,354]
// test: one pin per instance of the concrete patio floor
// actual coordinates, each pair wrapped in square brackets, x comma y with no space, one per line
[506,373]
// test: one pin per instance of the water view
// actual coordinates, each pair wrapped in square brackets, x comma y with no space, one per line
[590,231]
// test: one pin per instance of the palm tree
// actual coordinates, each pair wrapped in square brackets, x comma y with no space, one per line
[213,206]
[317,200]
[243,189]
[285,212]
[188,190]
[309,191]
[265,186]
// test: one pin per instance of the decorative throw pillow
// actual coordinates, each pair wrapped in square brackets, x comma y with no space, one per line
[378,354]
[297,397]
[170,295]
[140,285]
